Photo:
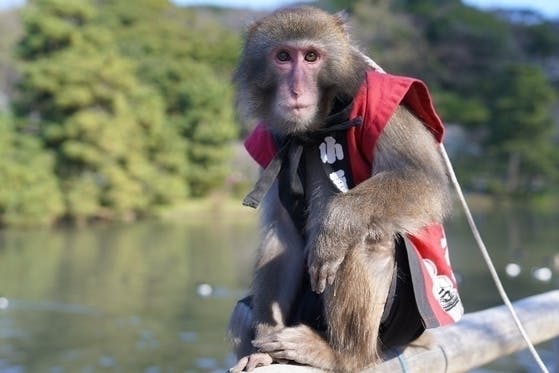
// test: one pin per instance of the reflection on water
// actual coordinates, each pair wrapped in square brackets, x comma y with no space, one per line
[155,296]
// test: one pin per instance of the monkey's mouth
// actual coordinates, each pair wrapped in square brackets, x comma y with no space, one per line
[298,107]
[299,113]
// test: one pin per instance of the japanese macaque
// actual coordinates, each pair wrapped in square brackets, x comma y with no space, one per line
[332,285]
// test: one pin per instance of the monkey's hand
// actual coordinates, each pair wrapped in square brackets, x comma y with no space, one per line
[300,344]
[345,225]
[248,363]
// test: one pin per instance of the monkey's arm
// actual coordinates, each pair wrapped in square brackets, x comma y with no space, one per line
[277,276]
[279,266]
[408,190]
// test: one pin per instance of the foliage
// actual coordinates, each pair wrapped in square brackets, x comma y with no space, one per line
[506,106]
[26,178]
[470,110]
[390,38]
[341,5]
[190,72]
[465,46]
[540,40]
[520,135]
[130,101]
[123,109]
[10,29]
[115,154]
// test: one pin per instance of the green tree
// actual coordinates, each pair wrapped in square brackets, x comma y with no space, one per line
[10,28]
[390,37]
[466,46]
[456,108]
[188,58]
[29,191]
[538,40]
[115,153]
[520,132]
[340,5]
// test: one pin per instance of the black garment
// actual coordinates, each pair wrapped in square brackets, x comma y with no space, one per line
[286,166]
[401,322]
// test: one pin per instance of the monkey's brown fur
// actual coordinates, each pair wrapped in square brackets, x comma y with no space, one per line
[350,247]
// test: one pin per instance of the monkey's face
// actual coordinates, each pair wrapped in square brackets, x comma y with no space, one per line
[295,63]
[295,104]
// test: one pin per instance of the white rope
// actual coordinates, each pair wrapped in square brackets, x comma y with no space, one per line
[488,261]
[481,244]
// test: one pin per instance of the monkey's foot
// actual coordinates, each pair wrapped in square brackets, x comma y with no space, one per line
[299,344]
[248,363]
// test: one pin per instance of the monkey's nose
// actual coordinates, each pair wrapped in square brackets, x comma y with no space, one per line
[295,92]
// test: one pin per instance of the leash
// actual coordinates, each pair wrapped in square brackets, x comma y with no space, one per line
[488,260]
[480,243]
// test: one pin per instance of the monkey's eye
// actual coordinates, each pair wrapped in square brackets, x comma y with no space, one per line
[311,56]
[283,56]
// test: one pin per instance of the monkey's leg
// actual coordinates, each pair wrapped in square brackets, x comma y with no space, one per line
[354,305]
[266,310]
[277,277]
[240,328]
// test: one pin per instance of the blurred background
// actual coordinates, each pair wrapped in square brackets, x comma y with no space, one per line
[123,245]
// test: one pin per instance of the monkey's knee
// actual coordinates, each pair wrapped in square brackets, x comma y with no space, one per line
[240,328]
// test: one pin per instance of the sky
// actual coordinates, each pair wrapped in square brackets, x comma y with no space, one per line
[549,8]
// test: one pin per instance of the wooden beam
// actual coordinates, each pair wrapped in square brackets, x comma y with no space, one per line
[479,338]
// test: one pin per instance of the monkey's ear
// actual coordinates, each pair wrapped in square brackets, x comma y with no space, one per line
[341,18]
[251,27]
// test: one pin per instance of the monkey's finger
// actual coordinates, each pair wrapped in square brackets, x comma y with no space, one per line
[287,338]
[241,364]
[290,355]
[258,360]
[331,277]
[273,337]
[263,344]
[333,270]
[313,276]
[273,347]
[321,281]
[267,346]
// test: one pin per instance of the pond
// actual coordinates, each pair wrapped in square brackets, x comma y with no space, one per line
[155,296]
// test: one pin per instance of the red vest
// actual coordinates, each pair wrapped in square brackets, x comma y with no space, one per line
[375,102]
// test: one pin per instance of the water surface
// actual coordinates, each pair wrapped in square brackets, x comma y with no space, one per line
[155,296]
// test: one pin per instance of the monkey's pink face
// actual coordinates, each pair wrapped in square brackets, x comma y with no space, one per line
[297,97]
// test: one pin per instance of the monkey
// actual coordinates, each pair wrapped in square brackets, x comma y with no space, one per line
[353,260]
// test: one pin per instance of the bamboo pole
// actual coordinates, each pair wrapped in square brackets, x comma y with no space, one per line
[479,338]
